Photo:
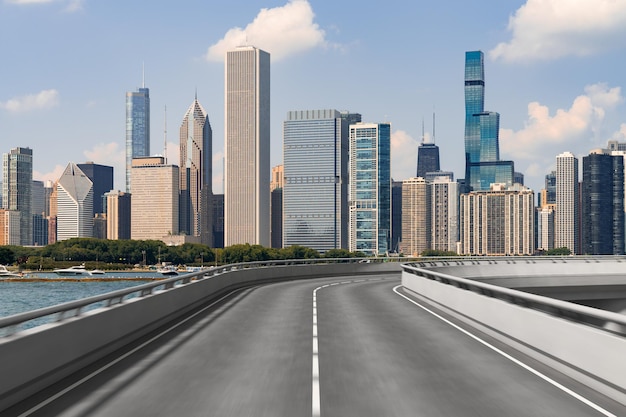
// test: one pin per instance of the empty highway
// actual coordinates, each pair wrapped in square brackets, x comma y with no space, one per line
[349,346]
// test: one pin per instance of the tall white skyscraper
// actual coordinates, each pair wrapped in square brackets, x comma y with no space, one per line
[247,147]
[74,204]
[566,219]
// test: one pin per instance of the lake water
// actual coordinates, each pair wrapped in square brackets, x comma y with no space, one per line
[19,296]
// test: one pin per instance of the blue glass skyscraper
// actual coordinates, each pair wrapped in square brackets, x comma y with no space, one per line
[482,153]
[137,127]
[370,188]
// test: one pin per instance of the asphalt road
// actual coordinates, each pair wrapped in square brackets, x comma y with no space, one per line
[307,348]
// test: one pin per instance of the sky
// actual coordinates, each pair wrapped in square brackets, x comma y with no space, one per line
[554,70]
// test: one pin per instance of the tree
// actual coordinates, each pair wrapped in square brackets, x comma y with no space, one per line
[559,251]
[7,255]
[436,252]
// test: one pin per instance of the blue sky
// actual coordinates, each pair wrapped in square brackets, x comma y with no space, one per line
[554,71]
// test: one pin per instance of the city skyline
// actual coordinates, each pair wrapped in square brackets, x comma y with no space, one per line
[550,101]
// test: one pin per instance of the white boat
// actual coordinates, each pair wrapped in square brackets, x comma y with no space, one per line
[97,272]
[168,270]
[77,270]
[5,273]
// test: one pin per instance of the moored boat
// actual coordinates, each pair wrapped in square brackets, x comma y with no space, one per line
[168,270]
[76,270]
[5,273]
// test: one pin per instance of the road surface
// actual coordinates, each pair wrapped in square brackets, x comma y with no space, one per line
[349,346]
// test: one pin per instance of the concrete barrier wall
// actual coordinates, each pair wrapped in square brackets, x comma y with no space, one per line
[37,358]
[593,356]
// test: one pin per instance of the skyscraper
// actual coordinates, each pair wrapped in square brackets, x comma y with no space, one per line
[118,215]
[416,217]
[102,178]
[137,127]
[566,226]
[17,178]
[315,191]
[370,188]
[483,166]
[444,209]
[247,147]
[155,198]
[276,206]
[74,204]
[427,159]
[499,221]
[602,205]
[196,174]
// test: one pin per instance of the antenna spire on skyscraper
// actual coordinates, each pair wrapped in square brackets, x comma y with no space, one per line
[165,137]
[143,75]
[433,124]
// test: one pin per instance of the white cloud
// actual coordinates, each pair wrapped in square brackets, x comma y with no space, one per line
[29,1]
[281,31]
[43,100]
[403,155]
[52,176]
[71,5]
[620,135]
[546,134]
[569,126]
[550,29]
[107,154]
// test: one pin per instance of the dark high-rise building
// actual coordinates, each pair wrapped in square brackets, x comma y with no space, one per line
[217,203]
[276,222]
[483,166]
[137,127]
[603,205]
[102,178]
[427,159]
[396,215]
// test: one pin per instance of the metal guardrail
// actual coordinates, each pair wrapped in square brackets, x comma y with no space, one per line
[12,324]
[564,309]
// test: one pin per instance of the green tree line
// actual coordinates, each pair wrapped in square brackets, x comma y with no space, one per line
[115,254]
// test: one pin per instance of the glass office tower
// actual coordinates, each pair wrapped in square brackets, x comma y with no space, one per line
[137,128]
[603,205]
[370,188]
[482,154]
[315,189]
[17,179]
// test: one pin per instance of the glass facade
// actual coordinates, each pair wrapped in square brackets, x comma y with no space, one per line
[315,189]
[427,159]
[603,205]
[370,188]
[482,149]
[137,128]
[17,179]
